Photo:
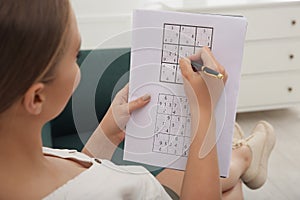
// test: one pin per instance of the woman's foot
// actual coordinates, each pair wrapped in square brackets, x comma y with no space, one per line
[261,143]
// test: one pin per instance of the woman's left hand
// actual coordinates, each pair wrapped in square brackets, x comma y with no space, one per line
[114,122]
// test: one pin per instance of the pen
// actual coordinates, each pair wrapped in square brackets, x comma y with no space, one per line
[206,70]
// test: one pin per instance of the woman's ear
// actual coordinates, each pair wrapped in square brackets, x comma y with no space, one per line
[34,99]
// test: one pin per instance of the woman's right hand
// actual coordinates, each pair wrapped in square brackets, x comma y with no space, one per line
[203,91]
[201,177]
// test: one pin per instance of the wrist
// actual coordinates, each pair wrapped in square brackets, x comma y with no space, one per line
[110,129]
[109,124]
[114,136]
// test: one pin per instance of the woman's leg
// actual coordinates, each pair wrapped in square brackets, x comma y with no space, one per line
[241,158]
[240,161]
[236,193]
[254,150]
[172,179]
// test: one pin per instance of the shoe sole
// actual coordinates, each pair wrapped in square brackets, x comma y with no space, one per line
[261,177]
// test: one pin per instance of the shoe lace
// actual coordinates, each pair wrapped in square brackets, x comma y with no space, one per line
[237,143]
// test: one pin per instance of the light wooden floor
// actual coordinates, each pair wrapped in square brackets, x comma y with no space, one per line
[283,181]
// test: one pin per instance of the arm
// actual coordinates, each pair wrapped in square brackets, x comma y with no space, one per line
[110,132]
[201,179]
[102,144]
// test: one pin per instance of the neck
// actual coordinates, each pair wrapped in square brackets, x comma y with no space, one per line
[20,141]
[23,165]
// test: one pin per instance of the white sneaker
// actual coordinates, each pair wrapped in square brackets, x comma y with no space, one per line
[261,143]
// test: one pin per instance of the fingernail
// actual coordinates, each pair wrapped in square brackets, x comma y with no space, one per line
[146,97]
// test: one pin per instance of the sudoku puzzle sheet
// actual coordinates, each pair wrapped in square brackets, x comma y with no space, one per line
[159,134]
[181,41]
[173,122]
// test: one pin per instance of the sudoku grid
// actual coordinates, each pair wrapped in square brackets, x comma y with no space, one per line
[172,127]
[181,41]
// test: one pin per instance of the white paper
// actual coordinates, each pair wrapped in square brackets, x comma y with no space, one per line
[159,134]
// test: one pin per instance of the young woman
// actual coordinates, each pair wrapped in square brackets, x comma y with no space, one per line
[39,45]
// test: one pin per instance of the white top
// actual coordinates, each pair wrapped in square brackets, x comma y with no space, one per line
[105,180]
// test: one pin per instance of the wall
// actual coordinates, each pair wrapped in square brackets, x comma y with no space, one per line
[106,24]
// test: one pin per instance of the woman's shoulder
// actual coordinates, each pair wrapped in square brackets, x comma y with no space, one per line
[79,156]
[103,179]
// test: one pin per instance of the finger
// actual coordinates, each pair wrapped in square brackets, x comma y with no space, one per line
[124,90]
[208,56]
[225,74]
[185,67]
[204,57]
[196,56]
[122,96]
[139,103]
[208,59]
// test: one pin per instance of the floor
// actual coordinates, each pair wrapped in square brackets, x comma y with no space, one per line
[284,163]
